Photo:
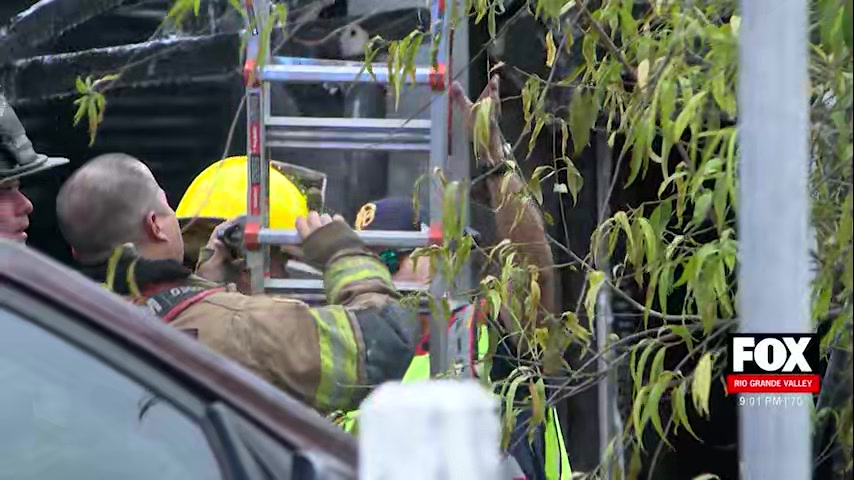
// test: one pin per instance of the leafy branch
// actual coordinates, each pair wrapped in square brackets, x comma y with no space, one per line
[91,104]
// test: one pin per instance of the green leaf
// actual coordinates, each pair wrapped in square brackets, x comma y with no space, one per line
[637,414]
[701,208]
[588,51]
[81,87]
[451,213]
[676,175]
[551,51]
[643,73]
[538,406]
[538,126]
[651,412]
[628,25]
[82,107]
[674,244]
[702,384]
[482,125]
[574,180]
[661,217]
[665,282]
[848,24]
[595,280]
[92,114]
[414,44]
[657,364]
[846,222]
[623,221]
[719,202]
[687,115]
[371,51]
[571,323]
[637,374]
[644,133]
[650,239]
[536,189]
[683,333]
[680,410]
[494,299]
[530,94]
[583,111]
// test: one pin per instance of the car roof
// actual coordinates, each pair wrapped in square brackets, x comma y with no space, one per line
[279,413]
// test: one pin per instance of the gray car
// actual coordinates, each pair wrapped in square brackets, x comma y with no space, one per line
[93,388]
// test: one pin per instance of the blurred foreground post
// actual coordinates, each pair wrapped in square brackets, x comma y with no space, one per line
[773,280]
[431,430]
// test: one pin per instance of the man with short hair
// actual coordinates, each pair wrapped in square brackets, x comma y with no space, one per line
[17,160]
[116,218]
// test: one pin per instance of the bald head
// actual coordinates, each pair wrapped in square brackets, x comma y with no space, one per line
[108,202]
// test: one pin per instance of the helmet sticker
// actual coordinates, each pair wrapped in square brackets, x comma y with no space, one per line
[366,216]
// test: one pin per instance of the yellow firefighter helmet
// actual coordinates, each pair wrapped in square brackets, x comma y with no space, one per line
[219,192]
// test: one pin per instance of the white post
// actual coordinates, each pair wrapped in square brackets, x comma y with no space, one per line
[430,430]
[773,217]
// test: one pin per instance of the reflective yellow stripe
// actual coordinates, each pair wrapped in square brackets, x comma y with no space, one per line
[338,363]
[556,458]
[352,269]
[112,263]
[131,279]
[482,342]
[419,369]
[349,422]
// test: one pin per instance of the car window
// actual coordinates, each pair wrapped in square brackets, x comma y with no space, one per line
[65,414]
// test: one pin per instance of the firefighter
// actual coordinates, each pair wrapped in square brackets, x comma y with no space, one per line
[124,234]
[17,160]
[199,213]
[545,458]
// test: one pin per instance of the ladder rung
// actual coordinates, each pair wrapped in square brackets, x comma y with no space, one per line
[375,238]
[383,125]
[277,285]
[351,146]
[296,69]
[300,270]
[348,133]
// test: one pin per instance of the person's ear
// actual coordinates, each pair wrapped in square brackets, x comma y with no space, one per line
[152,227]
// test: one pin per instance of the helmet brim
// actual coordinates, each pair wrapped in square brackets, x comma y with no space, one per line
[25,171]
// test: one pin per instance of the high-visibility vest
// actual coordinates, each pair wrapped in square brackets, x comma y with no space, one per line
[464,332]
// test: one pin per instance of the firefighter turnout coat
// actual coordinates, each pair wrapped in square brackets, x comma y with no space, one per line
[328,357]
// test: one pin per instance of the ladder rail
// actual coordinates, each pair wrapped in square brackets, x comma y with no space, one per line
[431,136]
[257,195]
[439,143]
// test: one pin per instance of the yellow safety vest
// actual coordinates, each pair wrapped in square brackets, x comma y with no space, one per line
[556,459]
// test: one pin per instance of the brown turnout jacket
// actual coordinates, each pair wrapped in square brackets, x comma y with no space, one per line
[326,356]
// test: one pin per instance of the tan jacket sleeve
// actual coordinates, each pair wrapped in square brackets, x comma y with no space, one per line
[529,233]
[328,356]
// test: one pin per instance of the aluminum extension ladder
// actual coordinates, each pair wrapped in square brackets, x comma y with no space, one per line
[265,131]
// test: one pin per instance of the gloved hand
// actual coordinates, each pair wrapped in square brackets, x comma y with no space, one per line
[217,261]
[490,153]
[313,222]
